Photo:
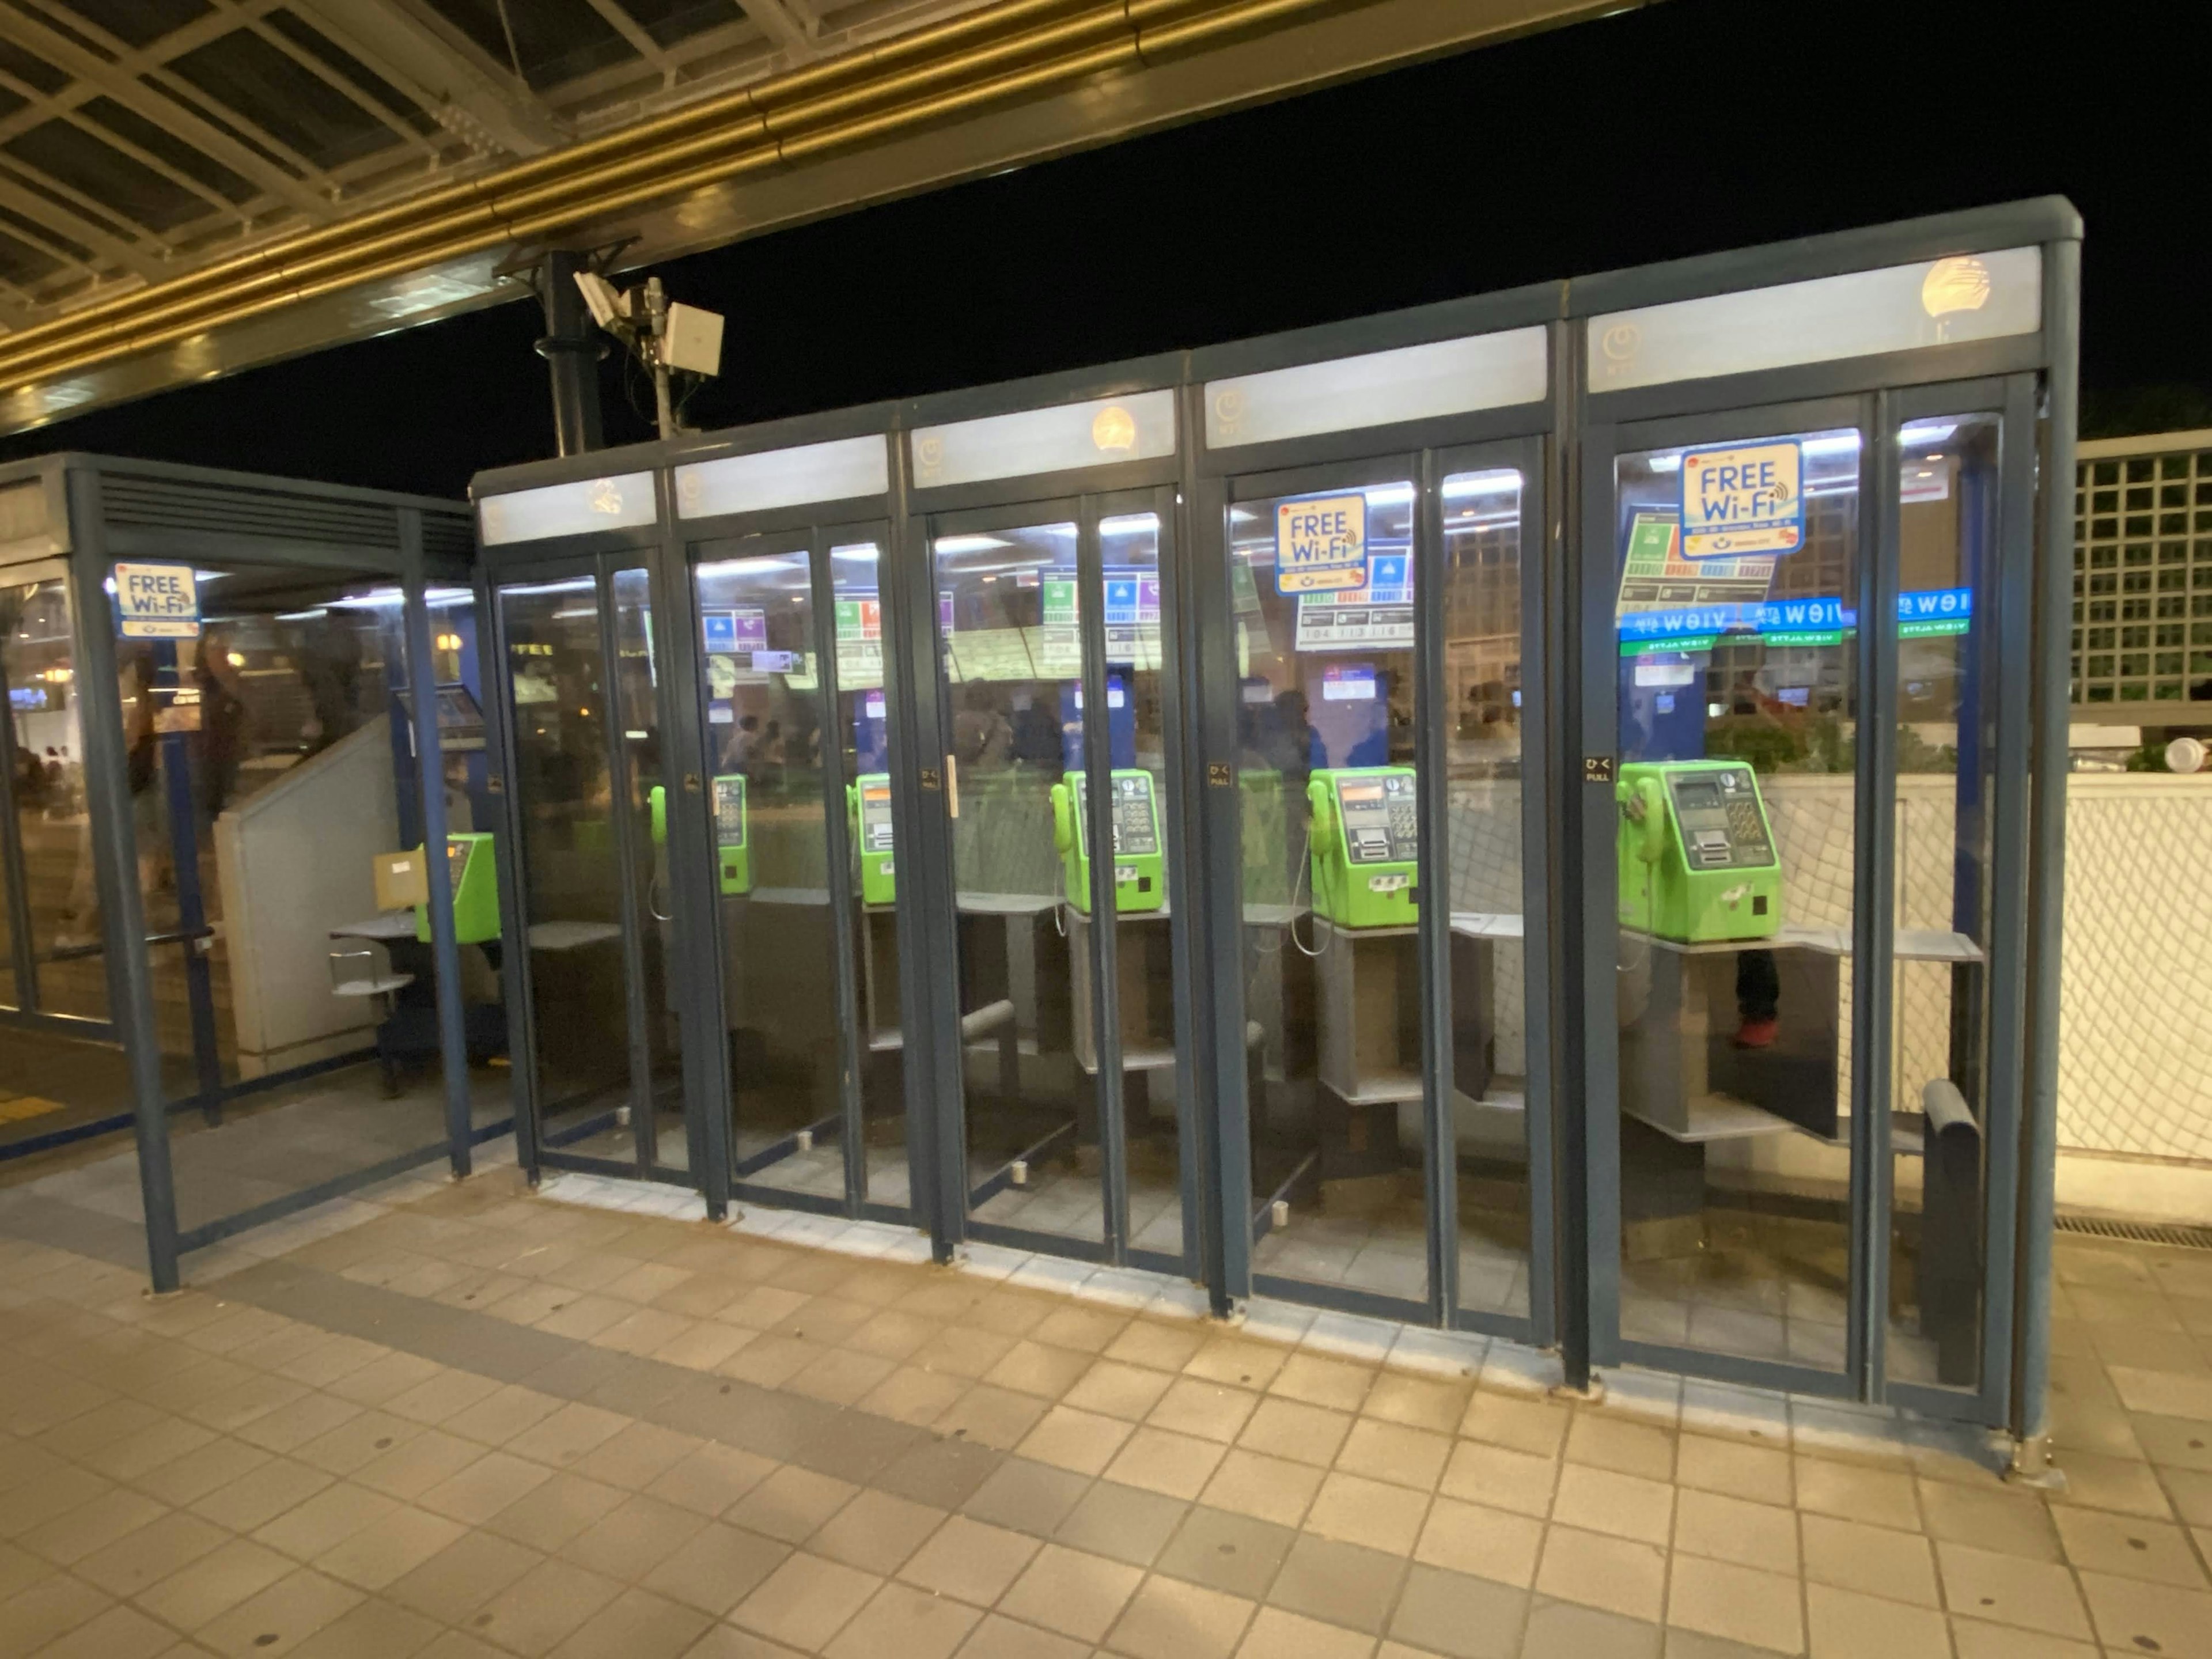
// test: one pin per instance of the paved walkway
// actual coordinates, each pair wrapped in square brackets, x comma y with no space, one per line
[463,1421]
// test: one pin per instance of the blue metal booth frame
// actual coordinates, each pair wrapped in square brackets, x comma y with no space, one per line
[1862,344]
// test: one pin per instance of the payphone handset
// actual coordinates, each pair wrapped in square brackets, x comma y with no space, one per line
[1696,856]
[868,804]
[733,845]
[1140,874]
[1365,845]
[469,861]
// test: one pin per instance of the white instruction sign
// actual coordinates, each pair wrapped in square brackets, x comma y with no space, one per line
[157,601]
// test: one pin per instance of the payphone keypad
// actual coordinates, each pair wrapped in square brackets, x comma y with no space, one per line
[1721,826]
[1136,830]
[729,811]
[1382,820]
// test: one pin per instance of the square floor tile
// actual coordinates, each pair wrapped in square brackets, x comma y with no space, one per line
[1733,1529]
[1264,1488]
[805,1600]
[1233,1553]
[791,1504]
[461,1577]
[1355,1509]
[1338,1584]
[2011,1589]
[1626,1506]
[876,1532]
[1206,1409]
[1026,1497]
[718,1567]
[282,1617]
[1393,1452]
[630,1538]
[543,1608]
[1618,1575]
[1561,1630]
[1488,1543]
[2134,1617]
[1450,1613]
[1070,1439]
[637,1624]
[1170,1619]
[970,1560]
[1740,1604]
[1073,1592]
[1295,1429]
[906,1622]
[1124,1523]
[1174,1465]
[550,1516]
[1000,1637]
[1857,1492]
[214,1584]
[1875,1561]
[1844,1625]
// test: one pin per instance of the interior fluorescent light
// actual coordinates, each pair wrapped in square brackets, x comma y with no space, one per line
[1390,495]
[1926,432]
[864,551]
[1129,524]
[1665,463]
[1838,443]
[968,543]
[1480,483]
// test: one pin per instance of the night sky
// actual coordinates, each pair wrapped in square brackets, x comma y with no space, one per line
[1688,127]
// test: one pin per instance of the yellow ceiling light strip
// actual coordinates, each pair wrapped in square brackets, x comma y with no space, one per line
[999,55]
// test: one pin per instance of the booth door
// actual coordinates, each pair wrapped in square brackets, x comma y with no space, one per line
[1389,1047]
[589,927]
[1791,871]
[1057,714]
[796,739]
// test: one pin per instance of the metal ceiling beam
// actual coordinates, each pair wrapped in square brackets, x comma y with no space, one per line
[36,206]
[782,26]
[120,81]
[635,36]
[442,69]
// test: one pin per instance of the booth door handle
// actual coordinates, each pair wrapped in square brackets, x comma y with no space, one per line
[952,786]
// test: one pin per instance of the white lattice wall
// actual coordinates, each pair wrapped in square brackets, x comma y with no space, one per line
[2134,1069]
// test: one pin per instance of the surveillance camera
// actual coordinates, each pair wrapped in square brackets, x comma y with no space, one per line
[602,297]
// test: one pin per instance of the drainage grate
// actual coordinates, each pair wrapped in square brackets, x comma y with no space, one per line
[2138,1233]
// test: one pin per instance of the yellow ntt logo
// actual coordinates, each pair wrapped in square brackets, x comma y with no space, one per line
[1959,283]
[1114,428]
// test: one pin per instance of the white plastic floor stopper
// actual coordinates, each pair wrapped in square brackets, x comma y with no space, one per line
[804,1139]
[1019,1174]
[1279,1213]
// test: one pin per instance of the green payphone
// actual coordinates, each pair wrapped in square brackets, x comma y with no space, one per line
[732,848]
[1697,861]
[1139,877]
[1365,843]
[868,803]
[469,861]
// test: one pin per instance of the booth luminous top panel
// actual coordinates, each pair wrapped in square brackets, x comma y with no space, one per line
[1445,377]
[1137,427]
[24,533]
[833,471]
[1977,296]
[567,509]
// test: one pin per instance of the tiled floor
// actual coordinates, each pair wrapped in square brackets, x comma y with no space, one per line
[465,1421]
